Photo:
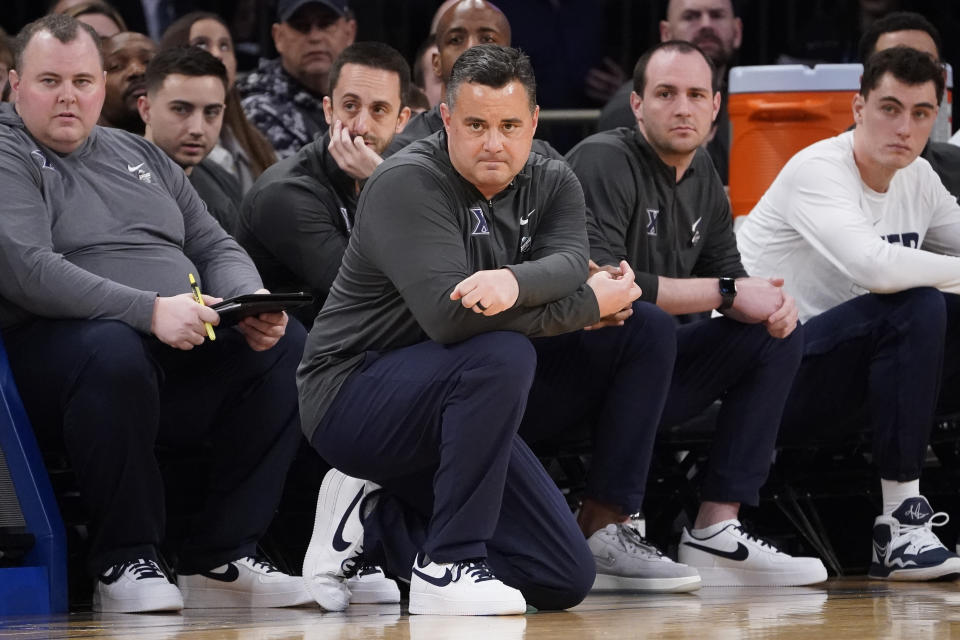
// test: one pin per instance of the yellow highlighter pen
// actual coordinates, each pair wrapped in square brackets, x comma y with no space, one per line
[196,294]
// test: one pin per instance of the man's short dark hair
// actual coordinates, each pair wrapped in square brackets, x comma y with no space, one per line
[64,28]
[185,61]
[375,55]
[680,46]
[493,66]
[907,65]
[896,21]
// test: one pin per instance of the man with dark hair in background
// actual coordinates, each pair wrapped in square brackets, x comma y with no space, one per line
[284,97]
[108,344]
[125,59]
[297,218]
[183,112]
[659,205]
[713,26]
[908,29]
[865,233]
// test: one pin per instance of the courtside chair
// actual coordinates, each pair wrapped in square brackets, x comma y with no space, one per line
[33,553]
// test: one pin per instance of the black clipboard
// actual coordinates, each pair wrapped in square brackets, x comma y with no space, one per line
[233,310]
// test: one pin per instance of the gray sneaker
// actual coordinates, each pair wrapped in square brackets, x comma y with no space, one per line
[627,562]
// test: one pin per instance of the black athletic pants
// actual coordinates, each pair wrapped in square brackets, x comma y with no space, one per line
[110,394]
[896,355]
[629,381]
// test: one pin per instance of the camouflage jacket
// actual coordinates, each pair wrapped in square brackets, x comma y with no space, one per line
[285,112]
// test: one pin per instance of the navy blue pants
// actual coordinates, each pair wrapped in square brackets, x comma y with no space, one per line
[436,426]
[891,361]
[109,394]
[631,380]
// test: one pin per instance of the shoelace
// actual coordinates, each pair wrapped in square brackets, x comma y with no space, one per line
[479,570]
[749,536]
[920,534]
[631,538]
[143,568]
[266,565]
[367,569]
[353,565]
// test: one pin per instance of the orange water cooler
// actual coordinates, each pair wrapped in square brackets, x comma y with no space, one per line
[778,110]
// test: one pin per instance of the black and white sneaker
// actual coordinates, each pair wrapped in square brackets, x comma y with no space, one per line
[726,554]
[465,588]
[245,582]
[369,585]
[336,546]
[906,548]
[135,586]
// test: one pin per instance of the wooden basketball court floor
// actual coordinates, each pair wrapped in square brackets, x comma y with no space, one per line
[840,608]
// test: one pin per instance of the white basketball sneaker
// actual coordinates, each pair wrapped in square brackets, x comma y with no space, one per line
[726,554]
[369,585]
[627,562]
[906,548]
[245,582]
[135,586]
[465,588]
[336,545]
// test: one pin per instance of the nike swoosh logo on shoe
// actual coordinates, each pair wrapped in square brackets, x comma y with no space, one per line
[339,544]
[109,578]
[740,553]
[442,581]
[230,575]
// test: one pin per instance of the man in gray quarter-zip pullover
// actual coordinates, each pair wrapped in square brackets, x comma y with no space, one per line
[100,231]
[658,203]
[453,327]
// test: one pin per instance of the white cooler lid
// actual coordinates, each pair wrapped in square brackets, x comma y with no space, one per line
[799,77]
[795,77]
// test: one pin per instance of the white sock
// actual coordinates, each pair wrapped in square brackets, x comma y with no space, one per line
[710,530]
[894,493]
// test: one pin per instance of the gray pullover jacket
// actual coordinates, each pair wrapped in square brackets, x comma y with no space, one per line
[420,229]
[638,212]
[101,232]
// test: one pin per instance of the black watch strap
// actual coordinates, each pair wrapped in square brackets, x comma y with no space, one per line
[728,291]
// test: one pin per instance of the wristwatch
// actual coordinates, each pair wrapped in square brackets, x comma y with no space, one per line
[728,291]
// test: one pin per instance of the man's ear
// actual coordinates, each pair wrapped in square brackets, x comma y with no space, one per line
[143,106]
[328,110]
[435,63]
[665,33]
[14,79]
[403,118]
[445,116]
[636,105]
[276,32]
[858,105]
[351,30]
